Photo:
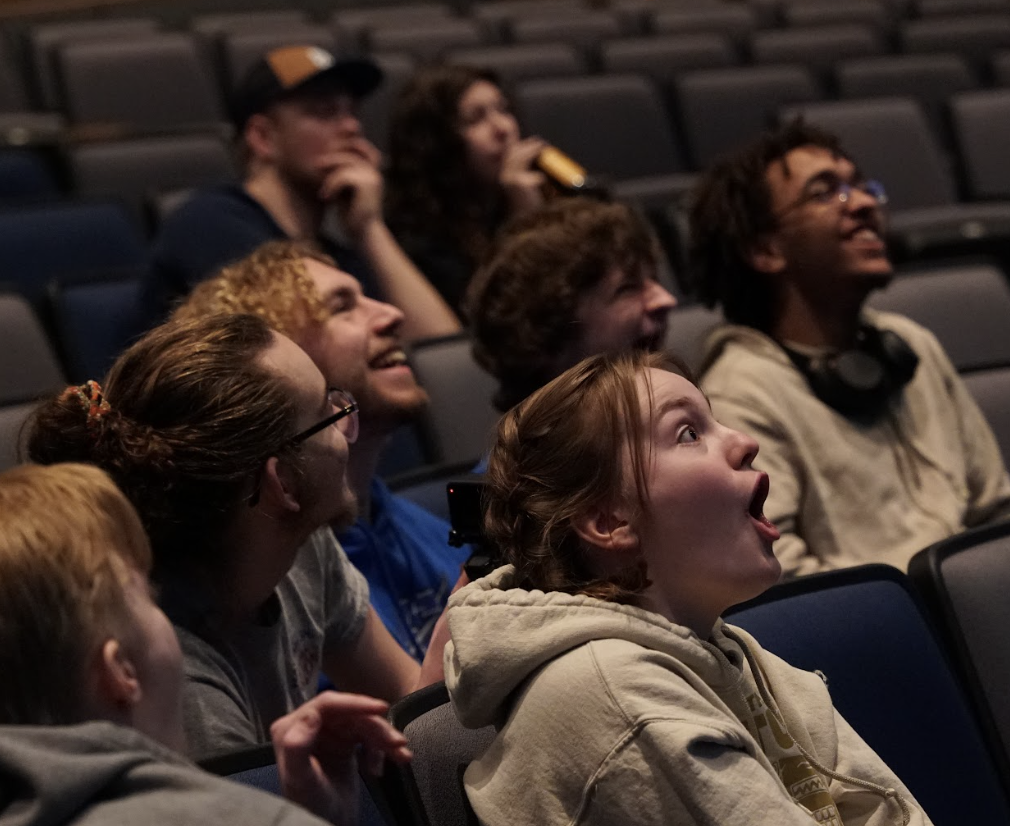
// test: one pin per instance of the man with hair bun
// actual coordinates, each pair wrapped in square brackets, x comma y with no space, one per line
[571,279]
[90,703]
[233,448]
[402,549]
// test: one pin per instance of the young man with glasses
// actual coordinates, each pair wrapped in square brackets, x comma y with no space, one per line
[233,448]
[355,341]
[874,444]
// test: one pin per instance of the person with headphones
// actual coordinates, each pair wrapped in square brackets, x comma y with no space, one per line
[876,446]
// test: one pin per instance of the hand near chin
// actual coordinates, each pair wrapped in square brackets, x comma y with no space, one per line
[353,184]
[522,184]
[318,747]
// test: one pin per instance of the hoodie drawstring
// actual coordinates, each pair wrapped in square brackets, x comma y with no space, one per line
[888,794]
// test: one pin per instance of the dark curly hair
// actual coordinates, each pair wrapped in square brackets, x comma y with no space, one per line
[430,192]
[191,416]
[730,212]
[561,452]
[521,305]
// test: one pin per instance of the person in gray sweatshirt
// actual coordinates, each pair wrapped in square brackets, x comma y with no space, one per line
[90,704]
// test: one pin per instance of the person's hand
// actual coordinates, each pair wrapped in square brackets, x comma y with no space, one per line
[319,745]
[520,181]
[353,184]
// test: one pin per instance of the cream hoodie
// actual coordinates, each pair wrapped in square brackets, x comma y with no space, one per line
[610,715]
[844,492]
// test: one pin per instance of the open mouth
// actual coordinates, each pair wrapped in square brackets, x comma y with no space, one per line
[755,509]
[865,233]
[394,357]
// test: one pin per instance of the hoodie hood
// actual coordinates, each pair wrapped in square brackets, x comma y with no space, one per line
[51,775]
[501,634]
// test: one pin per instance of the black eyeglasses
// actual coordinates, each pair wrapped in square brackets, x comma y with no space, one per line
[345,417]
[826,190]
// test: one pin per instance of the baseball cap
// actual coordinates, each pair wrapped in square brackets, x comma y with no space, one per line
[289,70]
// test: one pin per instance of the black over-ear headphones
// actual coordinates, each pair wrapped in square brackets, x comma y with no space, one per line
[859,382]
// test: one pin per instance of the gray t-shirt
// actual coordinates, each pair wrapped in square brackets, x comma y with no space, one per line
[238,683]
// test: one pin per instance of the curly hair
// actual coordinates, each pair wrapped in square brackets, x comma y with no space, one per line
[731,211]
[186,420]
[561,452]
[430,190]
[68,541]
[271,283]
[521,305]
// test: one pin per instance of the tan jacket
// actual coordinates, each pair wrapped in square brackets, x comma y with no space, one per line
[845,493]
[611,715]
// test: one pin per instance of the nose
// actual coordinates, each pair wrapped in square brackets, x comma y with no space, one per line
[386,318]
[859,200]
[658,300]
[741,448]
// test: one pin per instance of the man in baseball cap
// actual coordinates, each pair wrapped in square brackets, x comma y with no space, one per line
[308,174]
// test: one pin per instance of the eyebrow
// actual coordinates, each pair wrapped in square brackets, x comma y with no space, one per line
[339,294]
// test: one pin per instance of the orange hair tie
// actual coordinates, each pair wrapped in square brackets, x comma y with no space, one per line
[91,398]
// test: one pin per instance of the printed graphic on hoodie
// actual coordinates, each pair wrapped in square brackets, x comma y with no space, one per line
[804,783]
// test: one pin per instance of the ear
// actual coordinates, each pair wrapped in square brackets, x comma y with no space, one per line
[607,528]
[277,489]
[766,256]
[118,684]
[259,136]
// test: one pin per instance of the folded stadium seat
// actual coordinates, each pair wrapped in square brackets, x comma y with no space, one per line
[663,58]
[890,139]
[981,122]
[614,125]
[933,8]
[496,17]
[966,307]
[29,367]
[29,370]
[429,789]
[40,243]
[44,40]
[352,26]
[586,31]
[216,25]
[818,48]
[13,93]
[965,580]
[720,109]
[95,320]
[374,110]
[872,13]
[974,36]
[999,67]
[460,417]
[865,631]
[991,390]
[734,20]
[427,41]
[687,327]
[529,61]
[239,50]
[147,82]
[26,175]
[928,78]
[136,171]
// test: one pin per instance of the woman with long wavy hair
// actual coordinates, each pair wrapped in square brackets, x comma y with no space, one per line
[458,169]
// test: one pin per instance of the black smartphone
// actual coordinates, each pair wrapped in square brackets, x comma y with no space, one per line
[466,515]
